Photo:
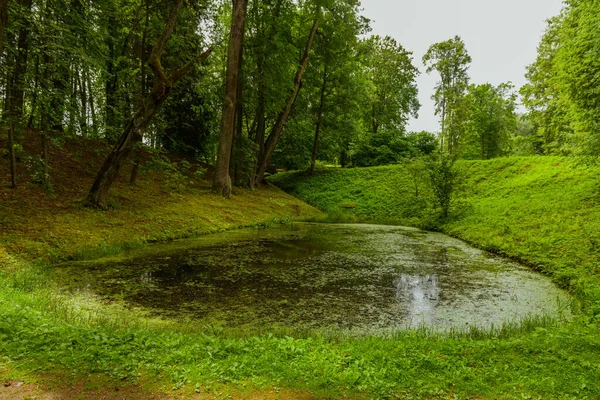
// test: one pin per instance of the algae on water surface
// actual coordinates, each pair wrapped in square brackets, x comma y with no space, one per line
[363,278]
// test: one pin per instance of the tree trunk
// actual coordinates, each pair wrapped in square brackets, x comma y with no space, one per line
[112,83]
[260,119]
[34,100]
[45,116]
[277,130]
[222,180]
[375,124]
[98,195]
[17,91]
[94,120]
[139,46]
[83,116]
[313,160]
[45,160]
[261,128]
[3,21]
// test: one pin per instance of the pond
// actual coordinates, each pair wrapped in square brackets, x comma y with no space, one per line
[322,276]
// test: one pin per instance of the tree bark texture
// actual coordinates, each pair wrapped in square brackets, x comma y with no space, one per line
[98,195]
[222,179]
[319,123]
[277,130]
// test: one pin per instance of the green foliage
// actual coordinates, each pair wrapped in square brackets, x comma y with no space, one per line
[176,178]
[492,121]
[391,147]
[562,94]
[393,78]
[443,177]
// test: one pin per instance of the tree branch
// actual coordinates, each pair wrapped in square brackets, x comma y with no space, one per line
[183,71]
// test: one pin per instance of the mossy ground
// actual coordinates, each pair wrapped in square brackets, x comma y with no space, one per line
[63,343]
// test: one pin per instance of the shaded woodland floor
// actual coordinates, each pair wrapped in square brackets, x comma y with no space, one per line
[163,204]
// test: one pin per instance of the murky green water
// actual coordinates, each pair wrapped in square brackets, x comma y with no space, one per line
[363,277]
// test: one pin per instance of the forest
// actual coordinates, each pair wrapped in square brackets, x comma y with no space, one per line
[146,142]
[312,86]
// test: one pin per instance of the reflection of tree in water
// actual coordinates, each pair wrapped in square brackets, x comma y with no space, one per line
[420,295]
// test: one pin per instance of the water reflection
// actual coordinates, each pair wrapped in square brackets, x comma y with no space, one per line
[419,295]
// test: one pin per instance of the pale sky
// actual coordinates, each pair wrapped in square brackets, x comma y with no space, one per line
[500,35]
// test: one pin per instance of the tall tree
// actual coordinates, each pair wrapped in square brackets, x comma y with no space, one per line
[393,78]
[577,69]
[222,179]
[491,120]
[451,60]
[547,107]
[163,85]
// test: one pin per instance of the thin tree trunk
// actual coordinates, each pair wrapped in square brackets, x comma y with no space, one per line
[313,160]
[98,195]
[375,124]
[222,180]
[83,125]
[45,160]
[139,55]
[277,130]
[34,100]
[112,83]
[94,120]
[239,118]
[3,21]
[45,119]
[17,91]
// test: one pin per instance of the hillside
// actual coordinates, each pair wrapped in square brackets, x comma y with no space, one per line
[541,211]
[164,204]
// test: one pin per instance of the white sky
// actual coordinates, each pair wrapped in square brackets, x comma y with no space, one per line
[501,36]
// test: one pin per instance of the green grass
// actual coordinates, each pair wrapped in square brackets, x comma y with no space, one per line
[514,206]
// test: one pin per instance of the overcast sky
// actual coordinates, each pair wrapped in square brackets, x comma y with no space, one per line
[501,36]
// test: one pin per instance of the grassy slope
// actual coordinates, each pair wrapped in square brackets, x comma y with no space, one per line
[53,228]
[542,211]
[44,332]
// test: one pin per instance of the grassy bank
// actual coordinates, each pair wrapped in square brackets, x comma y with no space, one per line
[541,211]
[64,342]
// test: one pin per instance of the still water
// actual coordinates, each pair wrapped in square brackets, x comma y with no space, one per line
[356,277]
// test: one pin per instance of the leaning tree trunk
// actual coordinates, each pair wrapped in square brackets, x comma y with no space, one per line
[277,130]
[313,160]
[222,179]
[98,195]
[261,108]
